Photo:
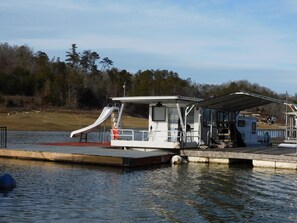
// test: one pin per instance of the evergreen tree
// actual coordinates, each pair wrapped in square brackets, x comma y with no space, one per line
[73,57]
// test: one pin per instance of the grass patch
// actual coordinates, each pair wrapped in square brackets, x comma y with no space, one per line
[59,120]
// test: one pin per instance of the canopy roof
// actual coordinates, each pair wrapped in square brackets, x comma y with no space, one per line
[157,99]
[237,101]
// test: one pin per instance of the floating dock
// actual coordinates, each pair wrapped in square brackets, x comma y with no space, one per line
[272,157]
[103,154]
[85,153]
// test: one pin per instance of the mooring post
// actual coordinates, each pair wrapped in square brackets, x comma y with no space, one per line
[3,137]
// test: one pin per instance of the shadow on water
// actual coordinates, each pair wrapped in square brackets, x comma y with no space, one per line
[239,163]
[5,192]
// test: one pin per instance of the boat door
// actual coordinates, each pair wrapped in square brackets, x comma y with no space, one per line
[158,123]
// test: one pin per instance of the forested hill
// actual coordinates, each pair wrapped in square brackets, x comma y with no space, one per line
[87,79]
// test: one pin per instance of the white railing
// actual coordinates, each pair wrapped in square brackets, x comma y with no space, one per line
[129,134]
[291,134]
[273,133]
[124,134]
[145,135]
[191,136]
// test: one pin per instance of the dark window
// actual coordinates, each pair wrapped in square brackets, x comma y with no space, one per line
[159,114]
[254,127]
[241,123]
[209,117]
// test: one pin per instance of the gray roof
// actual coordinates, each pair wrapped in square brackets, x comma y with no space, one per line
[237,101]
[234,102]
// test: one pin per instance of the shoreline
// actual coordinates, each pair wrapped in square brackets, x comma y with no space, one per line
[70,120]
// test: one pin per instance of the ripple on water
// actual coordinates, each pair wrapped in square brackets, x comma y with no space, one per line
[51,192]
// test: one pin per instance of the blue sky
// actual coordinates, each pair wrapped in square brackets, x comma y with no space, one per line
[211,42]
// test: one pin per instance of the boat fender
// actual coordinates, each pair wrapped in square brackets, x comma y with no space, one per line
[7,182]
[115,133]
[176,159]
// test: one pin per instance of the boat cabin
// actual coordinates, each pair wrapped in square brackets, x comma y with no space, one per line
[172,124]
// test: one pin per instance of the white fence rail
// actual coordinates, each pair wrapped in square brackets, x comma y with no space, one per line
[145,135]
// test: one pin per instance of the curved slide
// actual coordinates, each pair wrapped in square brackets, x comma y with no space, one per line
[106,112]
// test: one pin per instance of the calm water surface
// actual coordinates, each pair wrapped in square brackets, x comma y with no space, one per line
[52,192]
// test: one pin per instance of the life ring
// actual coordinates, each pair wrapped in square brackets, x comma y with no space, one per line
[115,133]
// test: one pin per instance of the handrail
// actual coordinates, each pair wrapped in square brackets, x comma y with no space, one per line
[291,134]
[123,134]
[3,137]
[273,133]
[144,135]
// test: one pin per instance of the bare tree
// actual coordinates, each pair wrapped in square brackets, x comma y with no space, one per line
[106,63]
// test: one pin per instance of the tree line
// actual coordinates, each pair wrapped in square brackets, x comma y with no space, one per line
[86,81]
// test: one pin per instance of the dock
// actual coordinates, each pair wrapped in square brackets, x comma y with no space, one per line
[104,154]
[85,154]
[272,157]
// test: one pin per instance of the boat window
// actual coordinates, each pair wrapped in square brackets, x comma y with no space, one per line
[159,114]
[172,117]
[190,117]
[172,124]
[254,127]
[209,117]
[241,123]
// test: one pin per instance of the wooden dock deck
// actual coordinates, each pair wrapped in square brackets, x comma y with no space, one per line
[85,154]
[272,157]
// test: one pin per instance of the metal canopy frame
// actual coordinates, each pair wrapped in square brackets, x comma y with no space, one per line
[237,101]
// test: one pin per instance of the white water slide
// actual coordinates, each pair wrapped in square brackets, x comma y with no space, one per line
[106,112]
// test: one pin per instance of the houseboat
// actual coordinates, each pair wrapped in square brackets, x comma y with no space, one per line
[177,122]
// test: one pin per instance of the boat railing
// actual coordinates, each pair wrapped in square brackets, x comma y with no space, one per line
[3,136]
[145,135]
[192,136]
[273,133]
[123,134]
[276,135]
[132,134]
[291,134]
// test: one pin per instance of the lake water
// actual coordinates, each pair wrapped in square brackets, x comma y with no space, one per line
[53,192]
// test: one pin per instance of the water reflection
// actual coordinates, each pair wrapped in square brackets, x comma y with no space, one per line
[218,193]
[188,193]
